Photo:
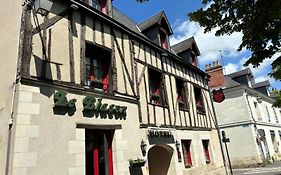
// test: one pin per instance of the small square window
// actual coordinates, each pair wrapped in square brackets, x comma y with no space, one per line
[97,68]
[99,5]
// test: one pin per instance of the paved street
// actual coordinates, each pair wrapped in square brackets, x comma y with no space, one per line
[271,169]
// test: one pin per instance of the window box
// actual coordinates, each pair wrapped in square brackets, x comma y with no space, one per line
[137,163]
[187,166]
[155,97]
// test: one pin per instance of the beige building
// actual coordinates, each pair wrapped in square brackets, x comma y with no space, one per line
[86,91]
[247,117]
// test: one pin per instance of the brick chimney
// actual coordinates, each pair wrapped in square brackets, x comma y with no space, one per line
[216,72]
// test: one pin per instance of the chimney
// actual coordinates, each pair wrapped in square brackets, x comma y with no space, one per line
[216,72]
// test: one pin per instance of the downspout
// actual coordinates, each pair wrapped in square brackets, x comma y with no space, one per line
[218,131]
[11,122]
[255,123]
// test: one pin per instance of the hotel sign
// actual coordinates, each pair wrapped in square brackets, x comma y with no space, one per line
[159,133]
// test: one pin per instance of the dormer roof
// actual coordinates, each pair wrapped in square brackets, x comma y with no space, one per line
[243,72]
[160,18]
[261,84]
[188,44]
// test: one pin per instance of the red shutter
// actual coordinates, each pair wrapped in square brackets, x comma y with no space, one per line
[103,8]
[105,76]
[96,159]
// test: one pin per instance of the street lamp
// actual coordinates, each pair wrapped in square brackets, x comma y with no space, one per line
[143,148]
[177,144]
[43,6]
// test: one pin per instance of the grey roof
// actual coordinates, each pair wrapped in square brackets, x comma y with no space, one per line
[261,84]
[246,71]
[154,20]
[123,19]
[185,45]
[230,83]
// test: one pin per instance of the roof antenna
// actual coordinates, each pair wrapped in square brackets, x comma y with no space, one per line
[222,63]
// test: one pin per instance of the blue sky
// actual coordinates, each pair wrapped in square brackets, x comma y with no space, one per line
[211,47]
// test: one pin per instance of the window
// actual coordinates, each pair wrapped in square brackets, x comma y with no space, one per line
[181,95]
[156,88]
[193,60]
[257,111]
[198,99]
[186,153]
[267,113]
[99,152]
[275,115]
[99,5]
[274,142]
[163,40]
[97,68]
[206,150]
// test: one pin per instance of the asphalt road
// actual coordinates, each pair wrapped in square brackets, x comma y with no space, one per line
[270,169]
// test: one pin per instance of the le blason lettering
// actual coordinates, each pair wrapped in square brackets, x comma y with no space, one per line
[89,103]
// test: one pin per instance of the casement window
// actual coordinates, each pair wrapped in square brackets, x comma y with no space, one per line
[181,97]
[199,99]
[186,153]
[163,40]
[99,152]
[267,113]
[97,68]
[193,60]
[99,5]
[156,88]
[275,115]
[205,144]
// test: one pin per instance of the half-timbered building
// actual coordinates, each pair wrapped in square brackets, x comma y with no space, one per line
[97,94]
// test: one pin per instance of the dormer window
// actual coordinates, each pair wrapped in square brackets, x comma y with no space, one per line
[163,40]
[99,5]
[193,60]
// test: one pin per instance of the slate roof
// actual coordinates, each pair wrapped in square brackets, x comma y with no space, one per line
[185,45]
[126,21]
[261,84]
[153,20]
[229,82]
[246,71]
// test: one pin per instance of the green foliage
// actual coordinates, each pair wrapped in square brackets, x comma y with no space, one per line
[258,20]
[277,95]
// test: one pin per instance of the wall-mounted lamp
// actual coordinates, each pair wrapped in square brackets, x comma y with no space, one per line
[43,7]
[177,144]
[143,148]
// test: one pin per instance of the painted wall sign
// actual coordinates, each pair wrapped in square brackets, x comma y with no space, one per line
[89,103]
[159,133]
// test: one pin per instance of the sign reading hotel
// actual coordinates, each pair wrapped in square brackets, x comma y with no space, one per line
[89,103]
[159,133]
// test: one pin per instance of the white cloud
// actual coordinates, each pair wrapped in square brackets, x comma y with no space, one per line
[209,44]
[230,68]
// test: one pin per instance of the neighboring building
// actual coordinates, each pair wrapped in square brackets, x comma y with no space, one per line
[247,116]
[86,91]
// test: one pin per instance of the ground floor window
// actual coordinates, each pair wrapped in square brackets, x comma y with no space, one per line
[99,152]
[186,153]
[206,150]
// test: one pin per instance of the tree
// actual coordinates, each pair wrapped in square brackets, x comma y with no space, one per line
[258,20]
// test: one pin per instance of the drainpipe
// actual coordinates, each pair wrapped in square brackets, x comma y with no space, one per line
[9,139]
[218,131]
[255,123]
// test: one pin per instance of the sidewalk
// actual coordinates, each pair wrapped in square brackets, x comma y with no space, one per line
[269,169]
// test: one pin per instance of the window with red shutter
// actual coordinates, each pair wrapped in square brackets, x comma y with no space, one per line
[206,150]
[198,99]
[163,40]
[181,98]
[99,152]
[97,68]
[156,88]
[186,153]
[99,5]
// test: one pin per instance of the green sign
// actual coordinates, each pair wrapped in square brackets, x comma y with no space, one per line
[89,103]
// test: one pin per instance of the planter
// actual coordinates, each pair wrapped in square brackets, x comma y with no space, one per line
[137,163]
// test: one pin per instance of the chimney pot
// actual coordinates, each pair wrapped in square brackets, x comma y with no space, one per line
[207,66]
